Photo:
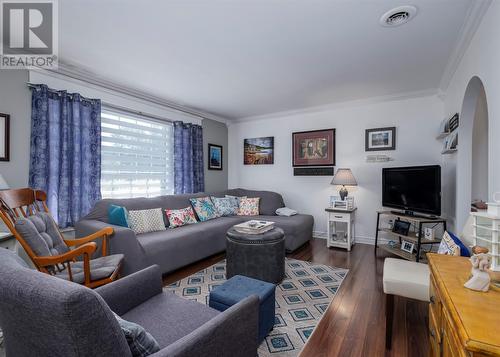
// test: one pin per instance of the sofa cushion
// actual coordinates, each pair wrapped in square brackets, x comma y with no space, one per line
[148,220]
[177,247]
[141,342]
[100,210]
[169,317]
[180,217]
[269,201]
[41,233]
[100,268]
[297,228]
[249,206]
[204,208]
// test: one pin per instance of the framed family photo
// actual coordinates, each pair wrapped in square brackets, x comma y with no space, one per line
[313,148]
[379,139]
[214,157]
[4,137]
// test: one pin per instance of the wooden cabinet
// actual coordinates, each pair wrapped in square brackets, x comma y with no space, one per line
[462,322]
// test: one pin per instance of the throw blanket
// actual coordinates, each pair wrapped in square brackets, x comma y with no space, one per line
[285,211]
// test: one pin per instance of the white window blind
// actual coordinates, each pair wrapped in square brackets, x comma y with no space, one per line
[136,156]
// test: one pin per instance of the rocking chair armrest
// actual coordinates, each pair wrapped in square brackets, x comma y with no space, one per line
[86,250]
[102,233]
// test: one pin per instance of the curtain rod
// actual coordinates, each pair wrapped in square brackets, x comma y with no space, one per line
[131,93]
[35,86]
[107,105]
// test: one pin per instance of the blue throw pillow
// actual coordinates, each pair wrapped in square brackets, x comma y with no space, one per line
[464,251]
[140,342]
[118,215]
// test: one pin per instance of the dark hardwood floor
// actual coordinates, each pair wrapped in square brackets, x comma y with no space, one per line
[354,324]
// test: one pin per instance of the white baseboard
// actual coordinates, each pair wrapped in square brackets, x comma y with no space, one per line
[359,239]
[319,235]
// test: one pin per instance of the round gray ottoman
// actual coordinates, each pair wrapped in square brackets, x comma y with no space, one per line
[259,256]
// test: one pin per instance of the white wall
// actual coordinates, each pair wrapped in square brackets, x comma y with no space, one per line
[417,121]
[479,189]
[482,59]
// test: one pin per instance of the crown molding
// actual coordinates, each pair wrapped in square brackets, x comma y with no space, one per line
[351,103]
[76,73]
[472,21]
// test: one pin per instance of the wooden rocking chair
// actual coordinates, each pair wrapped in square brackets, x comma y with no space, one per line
[28,206]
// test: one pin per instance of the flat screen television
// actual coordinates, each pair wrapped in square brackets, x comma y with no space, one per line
[413,189]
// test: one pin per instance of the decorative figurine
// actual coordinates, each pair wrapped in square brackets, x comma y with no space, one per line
[481,262]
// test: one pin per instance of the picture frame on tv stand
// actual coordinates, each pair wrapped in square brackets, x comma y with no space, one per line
[401,227]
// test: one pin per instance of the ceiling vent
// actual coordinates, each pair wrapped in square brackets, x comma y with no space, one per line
[398,16]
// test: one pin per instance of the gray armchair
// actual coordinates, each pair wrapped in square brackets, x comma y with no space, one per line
[45,316]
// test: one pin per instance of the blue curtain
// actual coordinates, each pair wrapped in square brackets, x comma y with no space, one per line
[65,157]
[188,158]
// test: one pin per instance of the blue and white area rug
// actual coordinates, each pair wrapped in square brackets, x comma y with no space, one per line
[301,300]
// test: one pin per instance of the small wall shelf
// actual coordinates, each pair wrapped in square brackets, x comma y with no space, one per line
[449,151]
[449,134]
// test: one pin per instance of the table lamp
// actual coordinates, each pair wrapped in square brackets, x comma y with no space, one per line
[3,183]
[343,177]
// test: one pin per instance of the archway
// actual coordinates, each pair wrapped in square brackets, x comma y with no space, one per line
[472,159]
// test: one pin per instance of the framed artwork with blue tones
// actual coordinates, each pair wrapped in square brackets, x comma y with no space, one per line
[214,157]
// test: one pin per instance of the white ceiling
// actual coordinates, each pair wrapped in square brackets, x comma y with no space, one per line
[241,58]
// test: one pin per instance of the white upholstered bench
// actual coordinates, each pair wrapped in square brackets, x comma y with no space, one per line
[403,278]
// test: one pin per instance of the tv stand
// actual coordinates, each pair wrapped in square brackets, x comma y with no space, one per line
[412,214]
[416,236]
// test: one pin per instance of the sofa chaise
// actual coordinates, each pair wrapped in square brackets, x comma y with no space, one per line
[174,248]
[44,316]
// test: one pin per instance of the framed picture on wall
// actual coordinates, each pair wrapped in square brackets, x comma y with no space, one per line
[258,151]
[379,139]
[214,157]
[4,137]
[313,148]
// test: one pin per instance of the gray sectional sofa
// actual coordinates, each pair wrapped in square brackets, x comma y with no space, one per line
[178,247]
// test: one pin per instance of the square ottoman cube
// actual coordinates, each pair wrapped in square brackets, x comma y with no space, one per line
[239,287]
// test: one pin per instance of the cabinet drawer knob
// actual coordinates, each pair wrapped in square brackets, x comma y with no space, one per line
[338,216]
[432,333]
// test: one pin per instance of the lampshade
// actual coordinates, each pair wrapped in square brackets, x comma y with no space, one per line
[344,177]
[3,183]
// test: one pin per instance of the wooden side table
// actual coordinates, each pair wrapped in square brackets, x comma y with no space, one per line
[340,228]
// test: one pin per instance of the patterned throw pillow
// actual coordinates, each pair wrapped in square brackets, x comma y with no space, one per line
[249,207]
[146,220]
[140,342]
[448,246]
[204,208]
[225,206]
[451,245]
[180,217]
